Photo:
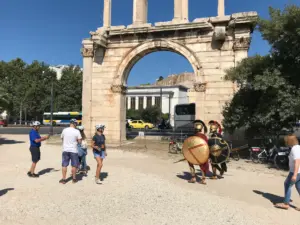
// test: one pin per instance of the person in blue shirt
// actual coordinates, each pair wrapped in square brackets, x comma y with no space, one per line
[35,144]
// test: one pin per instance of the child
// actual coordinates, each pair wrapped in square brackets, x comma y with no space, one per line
[82,151]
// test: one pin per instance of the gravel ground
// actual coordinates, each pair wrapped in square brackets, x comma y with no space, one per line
[141,186]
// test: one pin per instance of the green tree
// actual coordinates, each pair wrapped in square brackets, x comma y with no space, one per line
[3,100]
[160,78]
[68,90]
[37,89]
[268,96]
[27,88]
[133,114]
[151,114]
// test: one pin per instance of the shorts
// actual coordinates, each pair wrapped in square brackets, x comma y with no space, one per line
[67,156]
[35,154]
[100,154]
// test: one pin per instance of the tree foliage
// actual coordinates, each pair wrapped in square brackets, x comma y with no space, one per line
[151,114]
[268,98]
[27,88]
[69,90]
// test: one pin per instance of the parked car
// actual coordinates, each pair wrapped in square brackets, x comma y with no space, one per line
[140,124]
[3,123]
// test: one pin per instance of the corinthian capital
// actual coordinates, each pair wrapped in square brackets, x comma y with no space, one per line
[120,89]
[87,49]
[242,43]
[200,87]
[87,52]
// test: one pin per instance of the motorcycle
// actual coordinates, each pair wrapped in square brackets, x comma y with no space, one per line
[279,155]
[175,146]
[281,158]
[271,153]
[164,125]
[264,153]
[255,154]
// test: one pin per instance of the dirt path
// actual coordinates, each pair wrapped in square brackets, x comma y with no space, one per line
[141,186]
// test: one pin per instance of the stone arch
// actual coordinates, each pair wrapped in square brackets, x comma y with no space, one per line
[145,48]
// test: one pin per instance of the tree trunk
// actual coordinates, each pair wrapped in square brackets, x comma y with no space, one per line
[21,114]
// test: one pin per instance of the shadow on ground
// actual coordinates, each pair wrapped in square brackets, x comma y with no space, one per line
[187,176]
[4,191]
[103,176]
[4,141]
[48,170]
[274,199]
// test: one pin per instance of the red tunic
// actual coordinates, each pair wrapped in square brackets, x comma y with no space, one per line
[204,167]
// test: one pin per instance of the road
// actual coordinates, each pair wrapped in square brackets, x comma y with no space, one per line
[58,130]
[26,130]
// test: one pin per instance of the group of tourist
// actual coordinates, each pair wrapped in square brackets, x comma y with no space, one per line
[74,150]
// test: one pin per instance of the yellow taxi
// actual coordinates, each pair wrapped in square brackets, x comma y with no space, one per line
[140,124]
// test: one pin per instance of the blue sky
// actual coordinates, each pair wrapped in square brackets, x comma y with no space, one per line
[52,30]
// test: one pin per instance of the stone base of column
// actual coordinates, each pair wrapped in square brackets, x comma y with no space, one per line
[139,25]
[175,20]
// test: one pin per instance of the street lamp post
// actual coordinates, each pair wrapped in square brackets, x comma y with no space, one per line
[161,103]
[56,78]
[51,110]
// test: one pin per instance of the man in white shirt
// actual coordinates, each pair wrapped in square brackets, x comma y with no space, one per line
[71,137]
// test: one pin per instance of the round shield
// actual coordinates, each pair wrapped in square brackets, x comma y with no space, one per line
[195,150]
[219,150]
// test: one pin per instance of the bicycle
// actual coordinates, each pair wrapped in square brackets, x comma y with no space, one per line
[175,146]
[235,155]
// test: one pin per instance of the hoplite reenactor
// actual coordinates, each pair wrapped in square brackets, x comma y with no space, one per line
[196,151]
[219,149]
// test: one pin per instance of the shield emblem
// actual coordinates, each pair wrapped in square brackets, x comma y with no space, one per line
[219,150]
[195,150]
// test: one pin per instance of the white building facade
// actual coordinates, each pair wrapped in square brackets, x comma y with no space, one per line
[59,69]
[165,97]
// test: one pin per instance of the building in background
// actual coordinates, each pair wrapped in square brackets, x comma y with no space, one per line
[58,69]
[185,79]
[3,115]
[165,97]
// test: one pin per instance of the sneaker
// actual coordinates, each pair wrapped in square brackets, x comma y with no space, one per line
[32,175]
[74,181]
[98,181]
[62,181]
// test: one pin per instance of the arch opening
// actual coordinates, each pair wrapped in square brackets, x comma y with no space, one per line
[163,95]
[137,53]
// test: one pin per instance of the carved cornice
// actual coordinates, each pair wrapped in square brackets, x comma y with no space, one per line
[120,89]
[87,52]
[242,43]
[99,37]
[200,87]
[220,33]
